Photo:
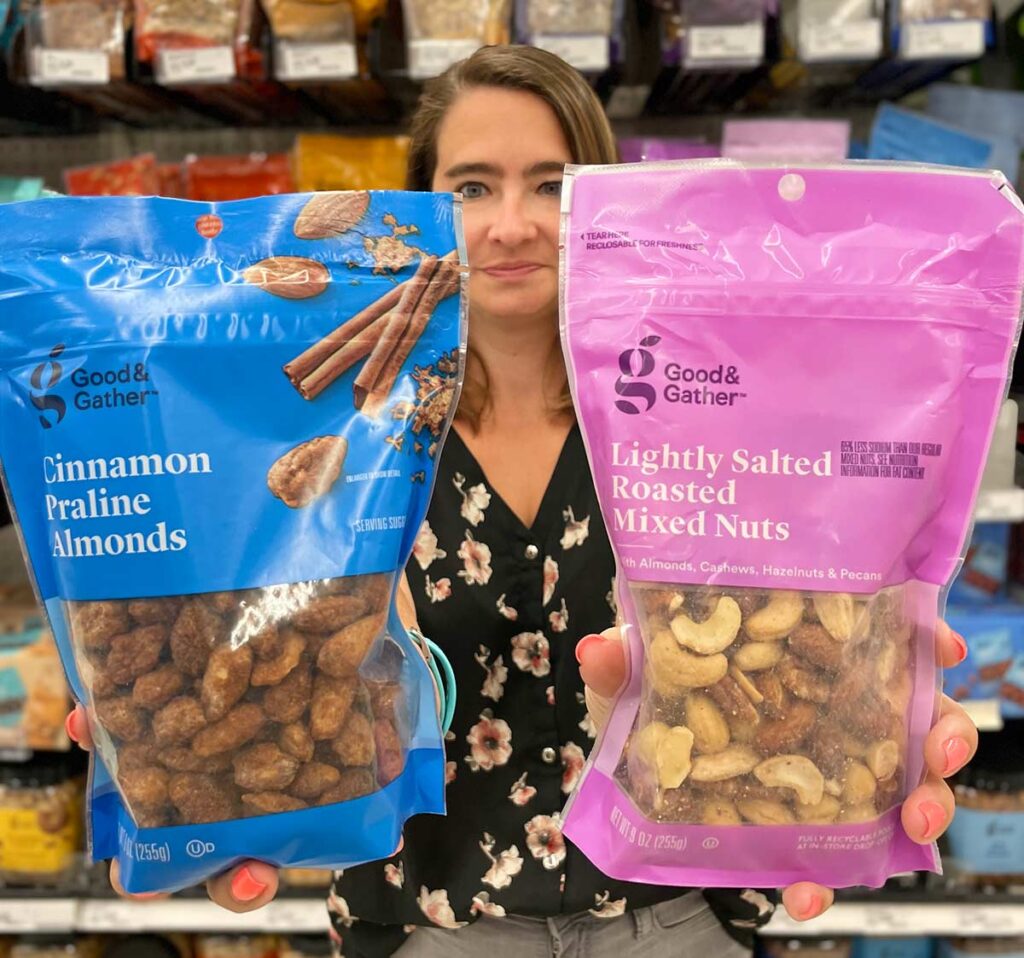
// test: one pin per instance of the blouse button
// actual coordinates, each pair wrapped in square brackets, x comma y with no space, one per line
[549,755]
[532,551]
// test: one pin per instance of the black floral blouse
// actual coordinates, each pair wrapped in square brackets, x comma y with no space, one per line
[507,604]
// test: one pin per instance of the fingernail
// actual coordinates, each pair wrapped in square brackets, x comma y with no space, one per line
[934,816]
[957,750]
[245,887]
[586,641]
[811,908]
[146,895]
[70,726]
[961,647]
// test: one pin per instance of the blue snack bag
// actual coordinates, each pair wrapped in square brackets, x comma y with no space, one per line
[219,426]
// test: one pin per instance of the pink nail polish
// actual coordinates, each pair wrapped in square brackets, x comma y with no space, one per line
[957,751]
[961,647]
[934,817]
[584,642]
[245,887]
[811,909]
[70,727]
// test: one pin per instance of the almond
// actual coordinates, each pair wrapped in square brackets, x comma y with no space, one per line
[331,214]
[290,277]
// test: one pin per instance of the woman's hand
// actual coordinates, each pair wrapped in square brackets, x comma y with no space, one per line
[245,887]
[928,809]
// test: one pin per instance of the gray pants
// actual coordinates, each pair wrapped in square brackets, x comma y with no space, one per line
[682,928]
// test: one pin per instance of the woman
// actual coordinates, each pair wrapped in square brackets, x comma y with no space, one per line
[512,560]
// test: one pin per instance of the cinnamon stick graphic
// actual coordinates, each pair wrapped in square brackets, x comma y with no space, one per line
[338,363]
[305,363]
[394,331]
[444,282]
[313,370]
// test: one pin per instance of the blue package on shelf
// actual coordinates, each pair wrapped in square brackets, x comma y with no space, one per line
[982,578]
[899,134]
[995,636]
[871,947]
[997,114]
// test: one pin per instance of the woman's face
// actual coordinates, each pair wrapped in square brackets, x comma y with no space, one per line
[504,151]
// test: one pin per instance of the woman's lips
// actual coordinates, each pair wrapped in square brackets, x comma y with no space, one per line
[511,271]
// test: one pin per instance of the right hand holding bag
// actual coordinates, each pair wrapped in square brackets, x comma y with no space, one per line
[787,380]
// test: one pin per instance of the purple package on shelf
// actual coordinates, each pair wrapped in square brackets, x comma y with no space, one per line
[796,141]
[640,149]
[787,380]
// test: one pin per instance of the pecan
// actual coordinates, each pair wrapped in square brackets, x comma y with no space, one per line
[308,471]
[803,681]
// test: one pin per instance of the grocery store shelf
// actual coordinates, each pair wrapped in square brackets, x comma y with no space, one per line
[1000,505]
[45,915]
[985,713]
[897,918]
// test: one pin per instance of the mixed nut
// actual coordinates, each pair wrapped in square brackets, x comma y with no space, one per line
[233,704]
[770,707]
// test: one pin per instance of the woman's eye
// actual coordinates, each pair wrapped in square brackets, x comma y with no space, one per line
[552,188]
[472,191]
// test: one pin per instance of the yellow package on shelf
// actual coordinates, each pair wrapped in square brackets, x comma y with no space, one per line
[323,161]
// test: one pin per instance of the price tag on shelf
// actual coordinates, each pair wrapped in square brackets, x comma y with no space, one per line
[856,40]
[984,713]
[588,53]
[202,65]
[429,58]
[315,61]
[739,43]
[36,915]
[60,67]
[943,40]
[1000,505]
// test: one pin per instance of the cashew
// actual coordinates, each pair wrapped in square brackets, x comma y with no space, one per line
[883,758]
[838,613]
[755,656]
[859,784]
[761,812]
[714,634]
[833,787]
[862,812]
[667,751]
[795,772]
[719,811]
[824,812]
[777,619]
[729,763]
[853,747]
[676,603]
[749,689]
[673,669]
[705,720]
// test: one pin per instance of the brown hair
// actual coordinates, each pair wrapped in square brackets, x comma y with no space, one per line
[584,125]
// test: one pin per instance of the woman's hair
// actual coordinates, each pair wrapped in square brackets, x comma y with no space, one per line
[584,125]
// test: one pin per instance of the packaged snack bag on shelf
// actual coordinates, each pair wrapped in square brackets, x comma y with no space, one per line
[71,42]
[237,177]
[219,444]
[787,380]
[170,180]
[942,29]
[650,148]
[324,161]
[837,30]
[723,34]
[440,32]
[313,40]
[136,176]
[579,31]
[14,189]
[789,141]
[191,40]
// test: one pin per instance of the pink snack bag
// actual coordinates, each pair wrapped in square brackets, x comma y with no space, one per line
[787,380]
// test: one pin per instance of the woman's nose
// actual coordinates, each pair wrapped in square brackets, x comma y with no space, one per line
[513,224]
